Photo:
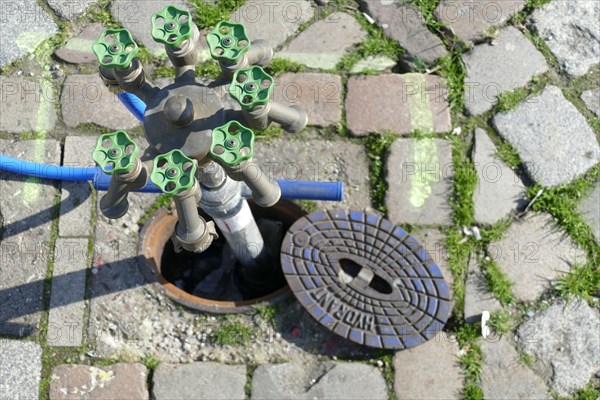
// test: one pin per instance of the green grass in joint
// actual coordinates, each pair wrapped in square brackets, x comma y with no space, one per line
[162,201]
[377,146]
[208,15]
[498,284]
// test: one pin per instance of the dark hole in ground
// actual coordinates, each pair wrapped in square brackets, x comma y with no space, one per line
[215,274]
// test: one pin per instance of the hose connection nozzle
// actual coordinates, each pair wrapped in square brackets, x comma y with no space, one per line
[228,42]
[115,48]
[117,155]
[252,89]
[232,147]
[175,175]
[172,26]
[232,144]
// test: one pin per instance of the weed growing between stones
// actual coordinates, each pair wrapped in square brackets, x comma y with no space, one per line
[501,322]
[308,205]
[498,284]
[509,100]
[250,369]
[377,146]
[209,69]
[162,201]
[151,364]
[232,333]
[471,360]
[208,15]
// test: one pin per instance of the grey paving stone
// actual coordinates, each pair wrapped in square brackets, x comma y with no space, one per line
[20,369]
[327,380]
[555,147]
[136,15]
[78,49]
[496,68]
[533,253]
[504,376]
[323,44]
[273,21]
[65,324]
[26,207]
[321,160]
[419,176]
[69,9]
[571,30]
[477,296]
[319,94]
[564,342]
[199,381]
[471,20]
[429,371]
[405,24]
[117,381]
[76,197]
[590,210]
[373,63]
[499,190]
[85,99]
[411,102]
[24,26]
[591,99]
[27,105]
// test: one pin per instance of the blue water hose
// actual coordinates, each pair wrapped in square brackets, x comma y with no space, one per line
[291,190]
[134,104]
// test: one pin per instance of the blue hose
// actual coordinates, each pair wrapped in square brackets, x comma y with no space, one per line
[133,104]
[55,172]
[292,190]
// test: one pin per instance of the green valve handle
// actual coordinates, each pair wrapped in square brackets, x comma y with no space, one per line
[173,172]
[232,143]
[115,48]
[228,42]
[251,87]
[171,26]
[115,153]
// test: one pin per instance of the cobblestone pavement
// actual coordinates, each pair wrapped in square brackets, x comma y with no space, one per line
[472,124]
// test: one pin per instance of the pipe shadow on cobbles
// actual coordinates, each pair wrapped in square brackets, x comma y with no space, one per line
[28,298]
[292,322]
[41,217]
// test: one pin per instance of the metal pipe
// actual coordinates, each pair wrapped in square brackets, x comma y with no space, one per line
[192,232]
[185,56]
[265,192]
[114,204]
[260,53]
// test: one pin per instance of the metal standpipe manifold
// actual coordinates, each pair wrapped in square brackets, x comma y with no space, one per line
[199,152]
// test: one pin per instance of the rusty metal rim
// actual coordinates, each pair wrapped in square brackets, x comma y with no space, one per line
[153,238]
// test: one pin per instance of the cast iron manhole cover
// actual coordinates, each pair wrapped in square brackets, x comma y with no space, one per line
[365,279]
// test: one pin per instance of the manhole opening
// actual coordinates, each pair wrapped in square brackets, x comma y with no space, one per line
[212,280]
[377,283]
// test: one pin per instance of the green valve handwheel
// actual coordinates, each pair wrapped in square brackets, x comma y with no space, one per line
[115,153]
[228,41]
[232,143]
[251,87]
[173,172]
[172,26]
[115,48]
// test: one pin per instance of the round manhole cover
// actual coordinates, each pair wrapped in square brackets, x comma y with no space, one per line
[365,279]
